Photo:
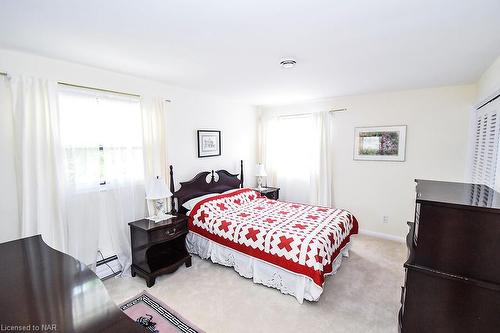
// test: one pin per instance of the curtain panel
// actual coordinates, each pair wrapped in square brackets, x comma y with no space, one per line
[154,137]
[321,191]
[296,151]
[38,156]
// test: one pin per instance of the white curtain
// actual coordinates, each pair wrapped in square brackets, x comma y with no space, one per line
[268,141]
[38,159]
[296,151]
[11,228]
[80,165]
[104,168]
[154,137]
[154,115]
[322,167]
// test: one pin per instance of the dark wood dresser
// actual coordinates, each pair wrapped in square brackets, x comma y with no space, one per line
[44,290]
[158,248]
[452,281]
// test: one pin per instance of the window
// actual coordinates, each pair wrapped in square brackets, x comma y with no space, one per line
[486,137]
[101,135]
[295,149]
[294,156]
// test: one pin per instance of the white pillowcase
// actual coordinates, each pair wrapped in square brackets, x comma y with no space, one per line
[189,205]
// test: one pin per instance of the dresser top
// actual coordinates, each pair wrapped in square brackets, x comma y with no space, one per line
[266,189]
[463,194]
[148,225]
[40,285]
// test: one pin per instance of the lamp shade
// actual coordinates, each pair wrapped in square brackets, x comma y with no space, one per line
[157,189]
[261,171]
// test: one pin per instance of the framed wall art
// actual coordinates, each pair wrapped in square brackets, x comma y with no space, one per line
[209,143]
[387,143]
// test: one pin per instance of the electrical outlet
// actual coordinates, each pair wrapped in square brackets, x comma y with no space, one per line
[385,219]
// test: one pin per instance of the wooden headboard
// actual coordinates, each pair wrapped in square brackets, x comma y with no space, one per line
[218,182]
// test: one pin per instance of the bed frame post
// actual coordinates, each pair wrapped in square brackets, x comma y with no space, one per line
[241,173]
[172,211]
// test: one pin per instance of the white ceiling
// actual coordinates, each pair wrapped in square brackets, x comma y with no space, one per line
[233,48]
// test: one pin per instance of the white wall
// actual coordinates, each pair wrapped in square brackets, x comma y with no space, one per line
[489,83]
[437,136]
[188,112]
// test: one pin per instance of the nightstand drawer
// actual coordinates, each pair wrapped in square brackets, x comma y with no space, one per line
[272,195]
[168,233]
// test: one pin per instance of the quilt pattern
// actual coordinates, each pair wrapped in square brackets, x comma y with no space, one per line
[300,238]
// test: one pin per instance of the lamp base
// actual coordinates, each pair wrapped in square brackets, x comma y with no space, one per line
[259,183]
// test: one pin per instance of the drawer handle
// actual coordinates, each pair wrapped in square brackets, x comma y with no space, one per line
[171,232]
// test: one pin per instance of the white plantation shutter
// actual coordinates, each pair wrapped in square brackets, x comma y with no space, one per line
[485,157]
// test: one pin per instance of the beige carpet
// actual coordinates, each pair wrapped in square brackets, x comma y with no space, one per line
[362,297]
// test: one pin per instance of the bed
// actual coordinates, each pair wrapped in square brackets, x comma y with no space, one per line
[288,246]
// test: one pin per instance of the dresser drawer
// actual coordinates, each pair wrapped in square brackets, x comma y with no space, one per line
[459,241]
[436,303]
[166,234]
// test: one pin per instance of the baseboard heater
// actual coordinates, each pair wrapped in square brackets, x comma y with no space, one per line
[108,267]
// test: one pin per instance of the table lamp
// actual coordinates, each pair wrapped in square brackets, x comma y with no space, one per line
[156,195]
[260,174]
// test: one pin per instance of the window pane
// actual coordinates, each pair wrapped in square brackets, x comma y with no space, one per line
[102,137]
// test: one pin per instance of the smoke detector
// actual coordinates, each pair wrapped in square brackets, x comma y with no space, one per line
[288,63]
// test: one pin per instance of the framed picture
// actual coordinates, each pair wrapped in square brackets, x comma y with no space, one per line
[208,143]
[387,143]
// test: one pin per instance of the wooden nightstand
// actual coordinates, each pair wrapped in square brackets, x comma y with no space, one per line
[158,248]
[269,192]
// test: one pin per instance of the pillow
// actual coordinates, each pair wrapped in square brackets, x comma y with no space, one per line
[189,205]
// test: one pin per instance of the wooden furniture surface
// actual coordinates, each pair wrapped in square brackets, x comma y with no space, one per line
[269,192]
[158,248]
[205,183]
[52,292]
[452,280]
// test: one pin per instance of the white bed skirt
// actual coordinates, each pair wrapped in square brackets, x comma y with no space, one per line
[300,286]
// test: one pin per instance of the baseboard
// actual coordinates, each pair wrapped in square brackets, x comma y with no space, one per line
[381,235]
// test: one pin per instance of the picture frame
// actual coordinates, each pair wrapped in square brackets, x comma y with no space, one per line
[209,143]
[381,143]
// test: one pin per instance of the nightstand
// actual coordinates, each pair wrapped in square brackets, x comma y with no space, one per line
[269,192]
[158,248]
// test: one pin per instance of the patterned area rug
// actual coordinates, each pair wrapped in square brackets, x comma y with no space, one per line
[156,316]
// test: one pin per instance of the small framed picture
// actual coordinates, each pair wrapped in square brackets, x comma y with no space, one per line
[387,143]
[209,143]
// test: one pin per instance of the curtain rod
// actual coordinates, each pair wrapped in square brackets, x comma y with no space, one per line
[310,113]
[98,89]
[295,115]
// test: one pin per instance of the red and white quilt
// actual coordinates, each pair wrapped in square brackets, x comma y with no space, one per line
[300,238]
